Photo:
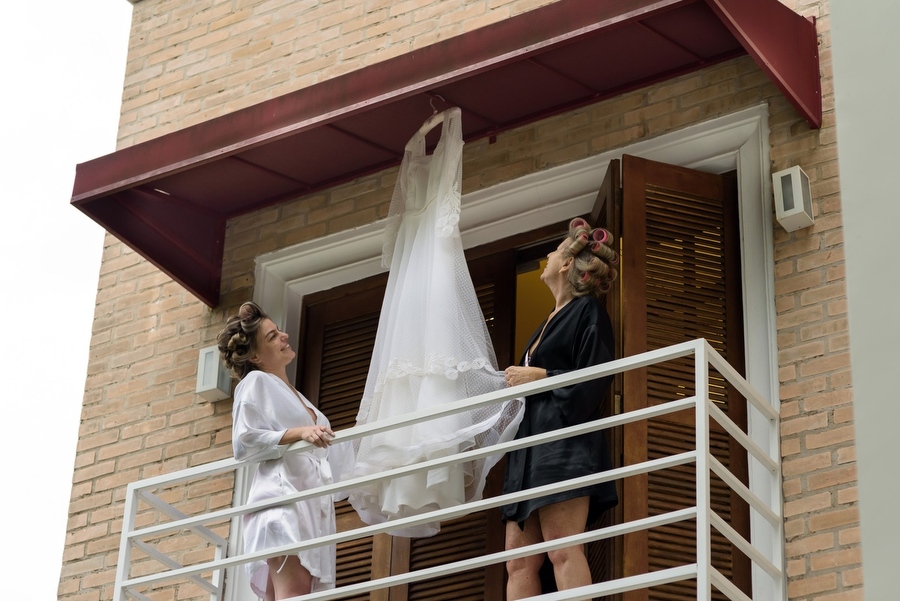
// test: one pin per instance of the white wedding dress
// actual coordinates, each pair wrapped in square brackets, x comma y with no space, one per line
[432,347]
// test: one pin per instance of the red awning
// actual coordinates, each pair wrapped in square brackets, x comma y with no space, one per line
[169,198]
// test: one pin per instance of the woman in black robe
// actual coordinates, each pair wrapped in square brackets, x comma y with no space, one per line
[577,334]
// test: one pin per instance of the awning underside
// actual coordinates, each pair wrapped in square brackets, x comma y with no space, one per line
[169,198]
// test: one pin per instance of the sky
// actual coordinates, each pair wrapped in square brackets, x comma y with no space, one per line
[63,66]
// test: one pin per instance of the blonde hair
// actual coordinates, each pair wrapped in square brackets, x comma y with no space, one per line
[592,270]
[237,340]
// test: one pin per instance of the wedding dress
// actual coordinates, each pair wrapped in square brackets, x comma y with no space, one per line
[432,346]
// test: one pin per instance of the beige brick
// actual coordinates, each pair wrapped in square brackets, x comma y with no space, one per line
[832,398]
[808,504]
[803,423]
[809,544]
[812,585]
[99,579]
[827,561]
[818,260]
[843,415]
[109,544]
[87,533]
[834,519]
[846,455]
[103,438]
[841,378]
[331,212]
[800,316]
[796,567]
[825,364]
[836,272]
[807,387]
[824,329]
[784,269]
[94,471]
[839,343]
[787,251]
[356,218]
[805,465]
[823,293]
[119,449]
[167,435]
[142,458]
[825,479]
[790,447]
[832,437]
[187,446]
[851,595]
[792,487]
[852,577]
[93,595]
[802,352]
[118,480]
[74,553]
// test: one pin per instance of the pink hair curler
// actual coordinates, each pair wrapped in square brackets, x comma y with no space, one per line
[578,223]
[600,235]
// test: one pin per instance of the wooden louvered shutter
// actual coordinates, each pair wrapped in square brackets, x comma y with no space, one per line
[339,336]
[680,281]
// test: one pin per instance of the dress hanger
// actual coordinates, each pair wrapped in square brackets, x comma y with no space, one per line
[435,119]
[431,122]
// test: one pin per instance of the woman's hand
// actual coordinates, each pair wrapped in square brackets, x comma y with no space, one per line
[318,436]
[516,375]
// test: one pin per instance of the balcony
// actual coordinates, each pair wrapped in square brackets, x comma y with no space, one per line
[176,526]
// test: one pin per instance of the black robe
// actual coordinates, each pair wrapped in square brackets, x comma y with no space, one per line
[578,336]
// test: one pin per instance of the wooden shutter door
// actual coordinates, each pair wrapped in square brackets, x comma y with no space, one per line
[339,336]
[680,280]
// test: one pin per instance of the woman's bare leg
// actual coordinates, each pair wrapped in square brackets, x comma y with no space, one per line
[288,578]
[570,566]
[270,588]
[524,580]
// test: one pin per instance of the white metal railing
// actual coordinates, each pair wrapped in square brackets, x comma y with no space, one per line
[765,549]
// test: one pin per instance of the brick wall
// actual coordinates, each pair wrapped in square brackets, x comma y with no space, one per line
[821,514]
[189,62]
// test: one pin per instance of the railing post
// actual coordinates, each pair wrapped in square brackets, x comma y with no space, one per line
[124,561]
[777,505]
[704,544]
[218,576]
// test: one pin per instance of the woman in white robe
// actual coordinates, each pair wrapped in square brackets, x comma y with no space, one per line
[268,415]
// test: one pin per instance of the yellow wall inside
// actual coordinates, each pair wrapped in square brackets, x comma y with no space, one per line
[533,304]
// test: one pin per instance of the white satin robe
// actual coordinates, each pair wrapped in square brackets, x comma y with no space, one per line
[264,408]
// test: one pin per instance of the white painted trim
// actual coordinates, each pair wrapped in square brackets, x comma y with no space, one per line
[736,141]
[237,583]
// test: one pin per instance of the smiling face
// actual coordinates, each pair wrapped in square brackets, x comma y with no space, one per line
[273,352]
